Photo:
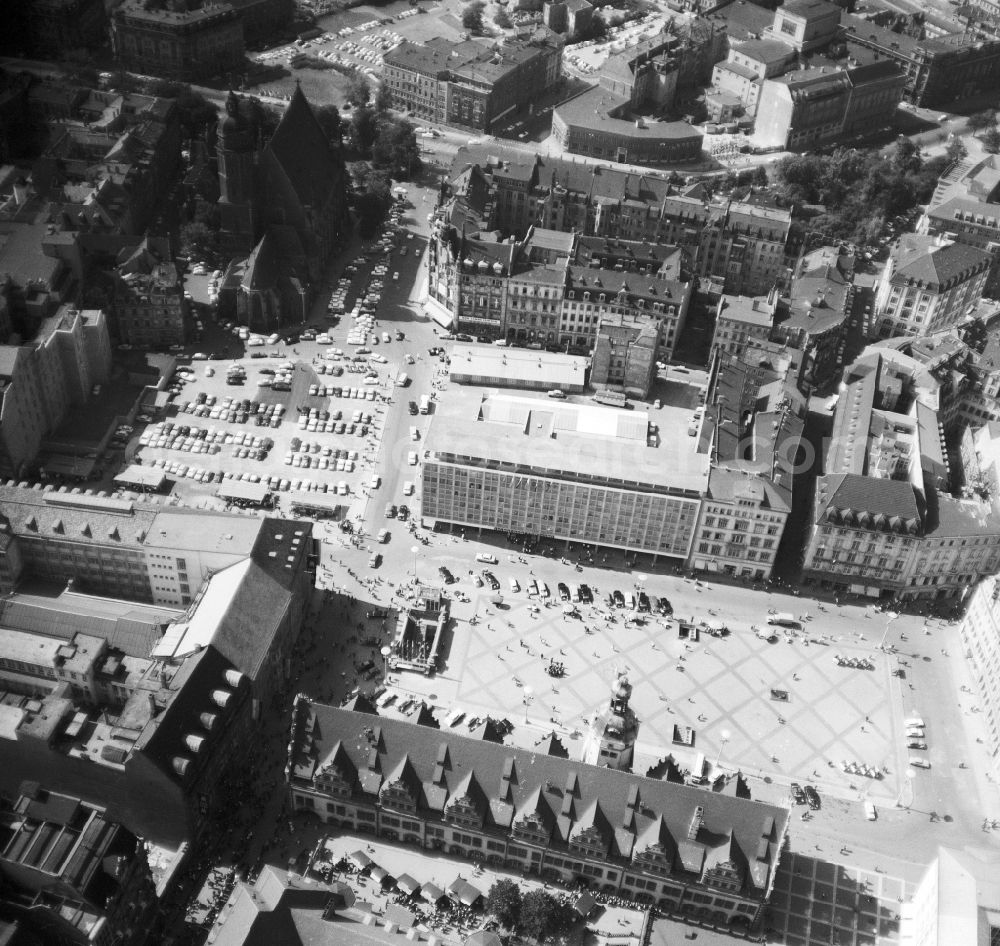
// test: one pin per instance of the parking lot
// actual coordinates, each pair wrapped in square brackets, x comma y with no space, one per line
[219,431]
[302,414]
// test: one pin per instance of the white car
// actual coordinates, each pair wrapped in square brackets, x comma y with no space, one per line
[408,488]
[411,458]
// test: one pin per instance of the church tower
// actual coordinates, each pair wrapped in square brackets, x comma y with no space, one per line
[235,151]
[610,741]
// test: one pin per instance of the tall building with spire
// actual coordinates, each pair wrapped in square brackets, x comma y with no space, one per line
[283,210]
[610,741]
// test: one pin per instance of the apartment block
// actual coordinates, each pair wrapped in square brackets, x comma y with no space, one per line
[471,84]
[937,69]
[884,522]
[147,709]
[149,299]
[73,872]
[740,244]
[815,312]
[553,289]
[42,379]
[928,284]
[183,44]
[738,319]
[751,429]
[965,208]
[812,107]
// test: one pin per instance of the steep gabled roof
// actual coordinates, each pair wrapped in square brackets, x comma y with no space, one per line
[570,798]
[262,269]
[303,152]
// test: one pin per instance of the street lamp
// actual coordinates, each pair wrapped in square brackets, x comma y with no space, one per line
[415,550]
[725,735]
[385,652]
[528,693]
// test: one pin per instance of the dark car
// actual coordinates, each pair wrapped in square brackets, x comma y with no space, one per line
[390,511]
[586,595]
[491,579]
[446,575]
[798,794]
[664,606]
[618,598]
[413,408]
[563,591]
[643,601]
[813,797]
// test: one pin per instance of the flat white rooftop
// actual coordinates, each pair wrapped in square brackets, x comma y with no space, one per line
[518,364]
[586,441]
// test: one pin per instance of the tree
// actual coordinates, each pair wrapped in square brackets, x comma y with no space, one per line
[359,91]
[502,19]
[906,157]
[330,121]
[383,99]
[991,140]
[396,148]
[195,112]
[760,176]
[196,239]
[955,151]
[372,203]
[504,902]
[539,915]
[472,16]
[364,129]
[977,121]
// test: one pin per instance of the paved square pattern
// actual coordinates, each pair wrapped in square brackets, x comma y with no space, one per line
[720,687]
[816,903]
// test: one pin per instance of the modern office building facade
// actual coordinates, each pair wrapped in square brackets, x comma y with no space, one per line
[572,472]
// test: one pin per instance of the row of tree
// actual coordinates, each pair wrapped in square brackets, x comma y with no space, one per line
[536,915]
[857,190]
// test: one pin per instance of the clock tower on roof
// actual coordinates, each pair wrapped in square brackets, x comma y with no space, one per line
[610,741]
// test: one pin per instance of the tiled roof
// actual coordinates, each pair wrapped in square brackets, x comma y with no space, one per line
[920,258]
[30,515]
[597,797]
[890,499]
[610,281]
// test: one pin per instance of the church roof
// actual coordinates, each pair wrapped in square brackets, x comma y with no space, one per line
[303,152]
[262,266]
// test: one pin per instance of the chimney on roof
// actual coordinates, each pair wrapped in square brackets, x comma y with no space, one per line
[697,817]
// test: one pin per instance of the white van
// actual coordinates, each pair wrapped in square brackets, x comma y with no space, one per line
[919,763]
[915,721]
[514,586]
[870,812]
[403,380]
[486,558]
[783,619]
